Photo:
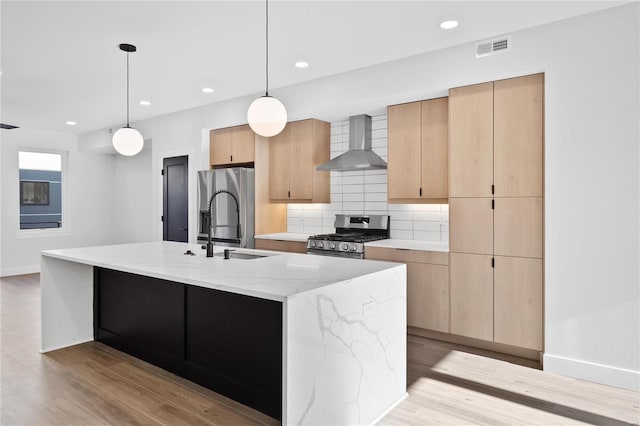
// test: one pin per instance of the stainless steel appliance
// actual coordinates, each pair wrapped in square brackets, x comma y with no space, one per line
[351,234]
[360,155]
[231,195]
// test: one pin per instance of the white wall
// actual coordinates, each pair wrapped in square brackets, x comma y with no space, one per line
[133,188]
[88,218]
[592,312]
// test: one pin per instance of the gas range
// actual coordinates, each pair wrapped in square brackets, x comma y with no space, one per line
[351,234]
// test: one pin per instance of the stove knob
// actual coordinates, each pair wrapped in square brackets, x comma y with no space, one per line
[353,247]
[345,246]
[312,243]
[320,245]
[333,246]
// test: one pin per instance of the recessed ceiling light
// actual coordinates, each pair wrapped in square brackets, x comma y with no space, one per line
[71,123]
[145,103]
[447,25]
[207,90]
[302,64]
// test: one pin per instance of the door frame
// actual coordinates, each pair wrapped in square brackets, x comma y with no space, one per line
[191,191]
[164,194]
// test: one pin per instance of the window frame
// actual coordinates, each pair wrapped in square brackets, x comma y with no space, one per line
[65,228]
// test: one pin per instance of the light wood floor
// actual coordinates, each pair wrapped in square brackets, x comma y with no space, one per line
[92,384]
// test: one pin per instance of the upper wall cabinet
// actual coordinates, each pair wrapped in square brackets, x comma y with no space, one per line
[294,155]
[496,138]
[471,140]
[232,145]
[518,136]
[418,152]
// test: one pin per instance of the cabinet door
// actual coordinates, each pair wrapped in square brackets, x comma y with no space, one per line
[471,140]
[518,227]
[518,138]
[301,160]
[127,318]
[471,278]
[428,296]
[243,145]
[404,151]
[435,148]
[471,225]
[279,165]
[220,146]
[234,346]
[518,301]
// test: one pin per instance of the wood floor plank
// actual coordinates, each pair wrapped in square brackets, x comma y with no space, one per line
[448,384]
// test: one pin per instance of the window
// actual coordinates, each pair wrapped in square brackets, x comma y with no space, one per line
[40,175]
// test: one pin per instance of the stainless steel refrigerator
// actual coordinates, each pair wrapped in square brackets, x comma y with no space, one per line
[231,194]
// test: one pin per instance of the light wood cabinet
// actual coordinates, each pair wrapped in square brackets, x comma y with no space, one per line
[294,155]
[427,285]
[471,225]
[518,227]
[518,301]
[518,136]
[471,278]
[232,145]
[496,213]
[418,151]
[471,140]
[281,245]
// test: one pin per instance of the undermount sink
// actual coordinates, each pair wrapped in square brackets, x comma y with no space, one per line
[244,256]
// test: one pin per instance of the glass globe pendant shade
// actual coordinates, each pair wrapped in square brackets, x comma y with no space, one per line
[127,141]
[267,116]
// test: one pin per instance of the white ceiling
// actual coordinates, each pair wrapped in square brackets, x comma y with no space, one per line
[60,59]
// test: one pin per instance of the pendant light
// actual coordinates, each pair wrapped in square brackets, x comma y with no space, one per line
[127,140]
[266,115]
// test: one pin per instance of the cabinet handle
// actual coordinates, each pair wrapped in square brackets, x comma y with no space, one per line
[231,158]
[493,204]
[493,189]
[493,262]
[289,194]
[421,192]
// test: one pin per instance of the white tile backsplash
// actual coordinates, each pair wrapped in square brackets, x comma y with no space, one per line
[365,192]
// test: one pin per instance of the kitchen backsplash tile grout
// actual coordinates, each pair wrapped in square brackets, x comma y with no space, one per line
[365,192]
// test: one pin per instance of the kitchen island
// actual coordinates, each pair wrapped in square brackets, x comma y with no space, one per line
[305,339]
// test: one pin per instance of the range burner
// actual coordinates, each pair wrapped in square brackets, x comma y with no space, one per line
[351,234]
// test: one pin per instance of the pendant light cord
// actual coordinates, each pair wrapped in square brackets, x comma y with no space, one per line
[128,89]
[267,47]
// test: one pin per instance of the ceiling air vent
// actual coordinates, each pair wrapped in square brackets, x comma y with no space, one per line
[490,47]
[7,126]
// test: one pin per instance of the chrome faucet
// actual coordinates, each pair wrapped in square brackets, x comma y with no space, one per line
[209,245]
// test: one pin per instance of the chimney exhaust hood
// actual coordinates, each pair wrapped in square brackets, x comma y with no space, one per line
[359,156]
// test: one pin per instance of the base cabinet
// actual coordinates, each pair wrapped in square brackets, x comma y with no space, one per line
[427,285]
[518,301]
[227,342]
[428,296]
[281,245]
[234,345]
[471,278]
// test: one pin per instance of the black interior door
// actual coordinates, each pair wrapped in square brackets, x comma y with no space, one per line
[175,211]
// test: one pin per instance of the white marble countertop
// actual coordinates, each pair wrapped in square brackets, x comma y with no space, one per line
[285,236]
[410,244]
[278,276]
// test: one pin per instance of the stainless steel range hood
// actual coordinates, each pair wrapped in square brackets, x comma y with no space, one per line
[359,156]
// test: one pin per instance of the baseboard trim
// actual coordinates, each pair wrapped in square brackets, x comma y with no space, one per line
[10,272]
[593,372]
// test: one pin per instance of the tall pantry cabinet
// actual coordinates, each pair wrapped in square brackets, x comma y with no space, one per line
[496,204]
